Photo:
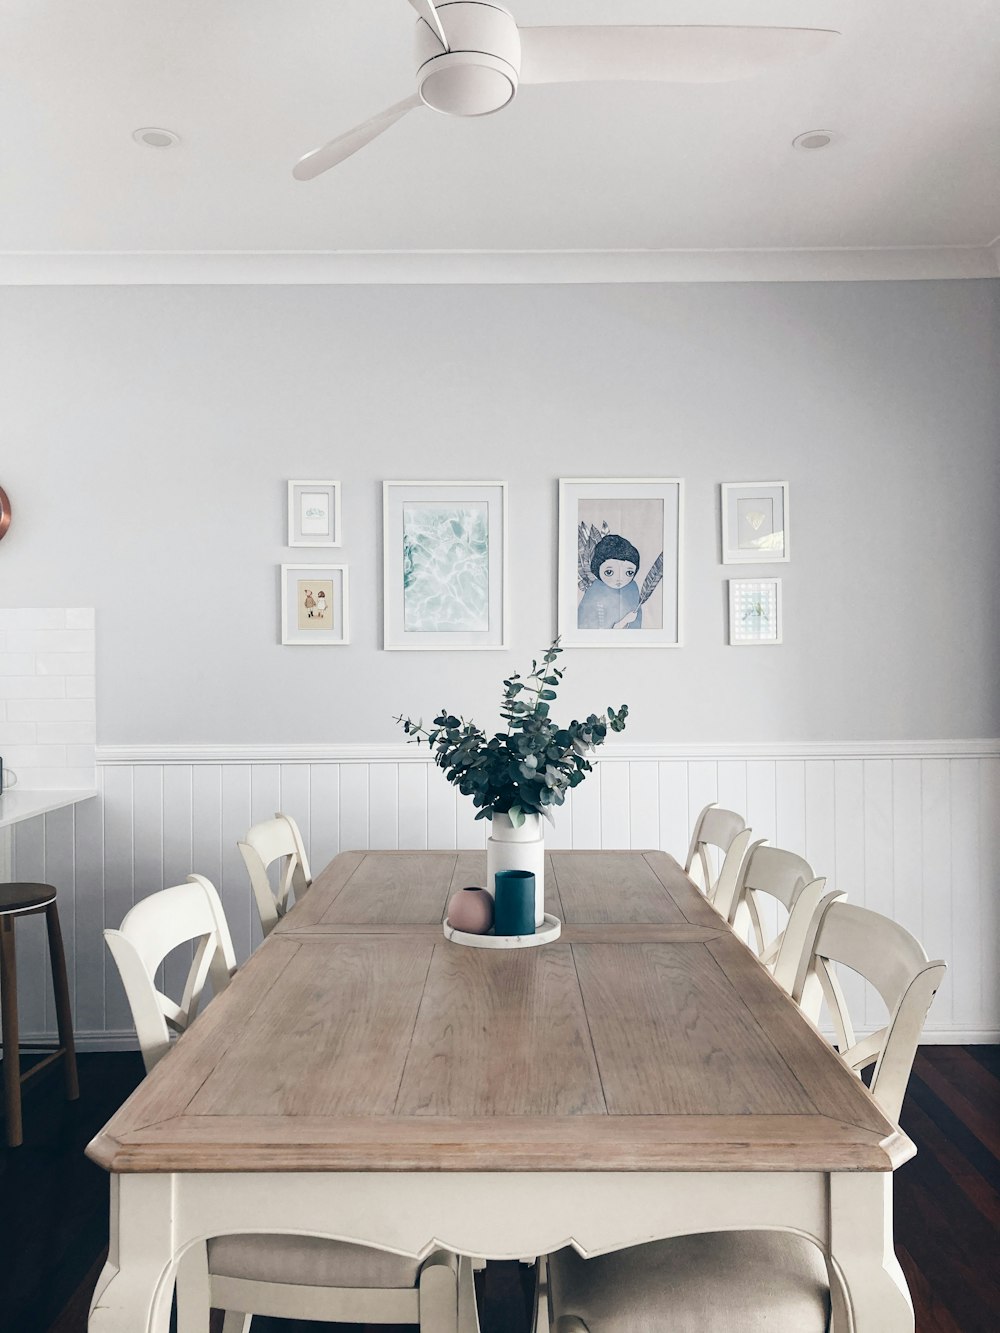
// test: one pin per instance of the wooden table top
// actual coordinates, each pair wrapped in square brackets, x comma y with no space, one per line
[358,1039]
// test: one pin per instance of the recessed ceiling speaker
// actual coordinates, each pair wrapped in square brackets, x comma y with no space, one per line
[155,138]
[813,139]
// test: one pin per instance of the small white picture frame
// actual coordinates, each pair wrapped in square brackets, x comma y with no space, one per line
[315,606]
[314,513]
[754,613]
[754,522]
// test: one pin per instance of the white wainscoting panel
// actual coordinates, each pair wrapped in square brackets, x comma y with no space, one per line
[909,829]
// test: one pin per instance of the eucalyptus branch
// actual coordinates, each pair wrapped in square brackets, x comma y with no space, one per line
[529,768]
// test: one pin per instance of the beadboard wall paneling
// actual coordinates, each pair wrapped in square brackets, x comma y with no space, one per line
[906,829]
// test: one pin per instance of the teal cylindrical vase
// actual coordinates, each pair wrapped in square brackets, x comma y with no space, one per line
[514,910]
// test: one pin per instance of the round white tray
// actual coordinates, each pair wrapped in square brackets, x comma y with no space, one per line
[548,931]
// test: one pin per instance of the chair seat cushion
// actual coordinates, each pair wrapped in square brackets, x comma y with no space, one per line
[309,1261]
[726,1282]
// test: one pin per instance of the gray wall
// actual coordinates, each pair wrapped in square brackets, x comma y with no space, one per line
[147,434]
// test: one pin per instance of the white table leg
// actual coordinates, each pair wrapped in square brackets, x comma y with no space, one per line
[194,1293]
[875,1297]
[134,1291]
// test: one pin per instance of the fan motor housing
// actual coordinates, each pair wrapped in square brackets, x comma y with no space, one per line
[478,75]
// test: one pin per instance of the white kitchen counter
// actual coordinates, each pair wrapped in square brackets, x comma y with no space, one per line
[17,805]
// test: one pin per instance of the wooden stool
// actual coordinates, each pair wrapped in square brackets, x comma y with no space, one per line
[27,900]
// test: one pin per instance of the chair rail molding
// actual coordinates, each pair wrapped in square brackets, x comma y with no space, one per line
[903,827]
[390,753]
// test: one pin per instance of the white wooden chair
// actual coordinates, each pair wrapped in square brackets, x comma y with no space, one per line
[264,844]
[188,912]
[293,1277]
[756,1281]
[719,829]
[891,960]
[788,879]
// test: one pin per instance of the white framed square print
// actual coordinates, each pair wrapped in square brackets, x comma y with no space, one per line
[315,605]
[754,613]
[444,564]
[314,513]
[620,562]
[754,522]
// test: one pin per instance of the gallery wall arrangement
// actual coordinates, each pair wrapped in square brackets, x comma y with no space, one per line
[620,563]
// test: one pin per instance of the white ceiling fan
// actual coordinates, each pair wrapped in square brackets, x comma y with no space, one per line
[472,57]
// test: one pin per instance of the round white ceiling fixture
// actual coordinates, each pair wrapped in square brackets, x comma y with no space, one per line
[813,139]
[155,138]
[472,57]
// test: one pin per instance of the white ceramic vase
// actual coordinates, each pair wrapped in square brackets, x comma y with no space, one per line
[523,848]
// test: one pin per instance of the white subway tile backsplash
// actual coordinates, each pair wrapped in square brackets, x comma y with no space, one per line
[50,710]
[32,687]
[54,779]
[81,756]
[50,640]
[27,617]
[65,733]
[17,733]
[15,664]
[64,664]
[48,727]
[21,757]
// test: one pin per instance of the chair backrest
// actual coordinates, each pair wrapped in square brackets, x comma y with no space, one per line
[888,957]
[713,828]
[264,844]
[187,912]
[772,872]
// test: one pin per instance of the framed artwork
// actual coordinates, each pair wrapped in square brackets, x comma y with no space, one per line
[314,513]
[754,522]
[444,564]
[620,550]
[754,612]
[315,605]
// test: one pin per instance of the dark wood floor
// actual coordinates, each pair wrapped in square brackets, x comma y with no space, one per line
[53,1203]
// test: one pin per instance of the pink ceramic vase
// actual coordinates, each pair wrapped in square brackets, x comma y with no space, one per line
[471,911]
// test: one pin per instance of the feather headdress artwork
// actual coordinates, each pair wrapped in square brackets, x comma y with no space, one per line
[588,536]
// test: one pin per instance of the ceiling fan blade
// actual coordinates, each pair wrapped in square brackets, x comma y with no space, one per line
[667,54]
[322,159]
[426,10]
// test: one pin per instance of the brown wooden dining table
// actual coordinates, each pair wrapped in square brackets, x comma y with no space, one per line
[365,1079]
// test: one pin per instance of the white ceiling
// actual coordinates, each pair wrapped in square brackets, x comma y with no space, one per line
[912,90]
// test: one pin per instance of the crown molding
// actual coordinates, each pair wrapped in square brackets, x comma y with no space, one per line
[402,754]
[266,268]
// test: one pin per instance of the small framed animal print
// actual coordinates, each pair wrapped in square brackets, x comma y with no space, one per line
[314,605]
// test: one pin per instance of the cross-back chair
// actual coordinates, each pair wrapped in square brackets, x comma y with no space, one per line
[188,912]
[891,960]
[292,1277]
[720,829]
[760,1280]
[785,878]
[273,840]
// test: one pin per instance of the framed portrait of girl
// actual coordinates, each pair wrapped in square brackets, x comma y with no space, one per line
[620,548]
